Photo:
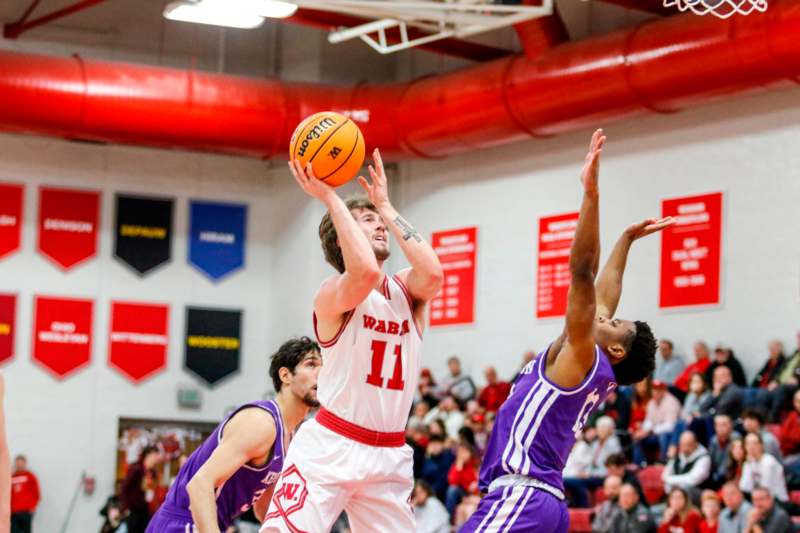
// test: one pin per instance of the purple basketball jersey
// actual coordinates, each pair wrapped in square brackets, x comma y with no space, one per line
[536,426]
[243,488]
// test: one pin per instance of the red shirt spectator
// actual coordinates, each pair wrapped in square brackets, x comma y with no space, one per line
[680,515]
[464,472]
[642,392]
[24,488]
[494,393]
[700,365]
[790,430]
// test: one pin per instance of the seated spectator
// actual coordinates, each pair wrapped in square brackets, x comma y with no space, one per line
[723,356]
[766,517]
[427,392]
[587,470]
[495,392]
[761,469]
[690,412]
[719,446]
[459,386]
[618,407]
[785,386]
[726,397]
[462,478]
[527,357]
[669,365]
[113,516]
[430,514]
[753,422]
[477,423]
[436,427]
[633,517]
[710,508]
[438,461]
[642,392]
[448,412]
[662,414]
[680,514]
[606,512]
[700,365]
[733,518]
[790,434]
[736,459]
[690,468]
[766,378]
[418,414]
[616,466]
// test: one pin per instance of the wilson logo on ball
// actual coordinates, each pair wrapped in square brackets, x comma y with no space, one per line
[315,133]
[332,143]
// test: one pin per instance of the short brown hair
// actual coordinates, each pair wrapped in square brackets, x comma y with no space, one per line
[328,237]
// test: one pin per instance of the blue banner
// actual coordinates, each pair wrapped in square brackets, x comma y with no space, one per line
[217,233]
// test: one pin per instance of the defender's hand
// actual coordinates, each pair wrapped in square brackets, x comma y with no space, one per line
[648,226]
[591,166]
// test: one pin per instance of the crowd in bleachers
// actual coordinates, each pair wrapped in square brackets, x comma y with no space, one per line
[694,448]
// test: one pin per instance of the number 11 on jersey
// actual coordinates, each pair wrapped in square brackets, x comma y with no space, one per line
[378,355]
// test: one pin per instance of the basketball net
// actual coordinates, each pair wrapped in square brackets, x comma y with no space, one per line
[720,8]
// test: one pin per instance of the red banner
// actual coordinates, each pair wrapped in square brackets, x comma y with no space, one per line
[455,303]
[62,334]
[8,307]
[139,338]
[691,251]
[11,197]
[555,241]
[68,225]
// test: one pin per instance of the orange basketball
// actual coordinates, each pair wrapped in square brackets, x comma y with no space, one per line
[332,143]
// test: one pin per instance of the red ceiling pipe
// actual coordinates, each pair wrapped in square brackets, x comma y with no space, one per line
[542,33]
[661,66]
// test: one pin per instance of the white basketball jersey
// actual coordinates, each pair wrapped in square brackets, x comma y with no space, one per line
[370,368]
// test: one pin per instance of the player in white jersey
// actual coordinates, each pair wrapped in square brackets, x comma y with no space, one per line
[353,455]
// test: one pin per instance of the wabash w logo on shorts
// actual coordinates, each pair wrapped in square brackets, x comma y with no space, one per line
[291,496]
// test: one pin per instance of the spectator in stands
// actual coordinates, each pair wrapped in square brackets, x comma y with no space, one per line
[495,392]
[24,496]
[606,512]
[698,395]
[690,468]
[790,434]
[616,406]
[438,461]
[427,392]
[458,385]
[710,508]
[736,459]
[680,514]
[761,469]
[418,413]
[642,392]
[785,385]
[634,517]
[430,514]
[753,422]
[616,466]
[133,497]
[766,517]
[527,357]
[719,446]
[723,356]
[588,470]
[726,397]
[733,518]
[448,412]
[670,365]
[661,416]
[436,427]
[766,378]
[701,363]
[114,517]
[477,423]
[462,478]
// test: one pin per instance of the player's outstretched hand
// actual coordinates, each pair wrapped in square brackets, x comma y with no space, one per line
[378,190]
[309,183]
[591,166]
[648,226]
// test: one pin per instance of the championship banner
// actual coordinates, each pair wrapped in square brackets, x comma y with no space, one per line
[217,234]
[213,342]
[62,334]
[8,307]
[11,201]
[455,303]
[552,282]
[139,339]
[691,251]
[68,222]
[143,231]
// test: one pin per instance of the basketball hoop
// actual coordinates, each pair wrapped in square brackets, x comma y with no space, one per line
[720,8]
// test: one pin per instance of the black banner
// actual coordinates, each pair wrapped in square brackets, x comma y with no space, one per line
[143,231]
[213,342]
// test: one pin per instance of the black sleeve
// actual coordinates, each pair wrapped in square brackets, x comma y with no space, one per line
[738,373]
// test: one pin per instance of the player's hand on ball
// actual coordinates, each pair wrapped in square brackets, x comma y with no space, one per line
[591,166]
[309,183]
[378,190]
[648,226]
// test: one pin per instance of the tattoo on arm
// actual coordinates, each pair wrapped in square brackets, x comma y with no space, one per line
[408,229]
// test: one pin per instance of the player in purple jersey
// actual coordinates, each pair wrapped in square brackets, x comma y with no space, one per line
[237,466]
[554,394]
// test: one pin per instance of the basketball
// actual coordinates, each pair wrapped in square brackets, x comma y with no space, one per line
[332,143]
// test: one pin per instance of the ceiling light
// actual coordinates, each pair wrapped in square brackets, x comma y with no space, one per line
[274,8]
[215,12]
